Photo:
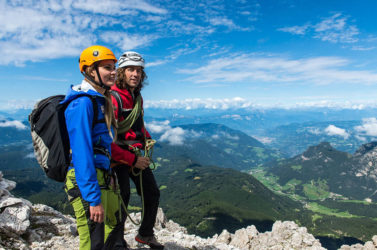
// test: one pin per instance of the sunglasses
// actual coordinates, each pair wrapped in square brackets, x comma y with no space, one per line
[132,57]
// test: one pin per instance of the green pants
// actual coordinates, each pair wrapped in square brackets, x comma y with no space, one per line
[106,235]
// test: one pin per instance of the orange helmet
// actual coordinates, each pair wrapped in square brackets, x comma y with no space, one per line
[94,54]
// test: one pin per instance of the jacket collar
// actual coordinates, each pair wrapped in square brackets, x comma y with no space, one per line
[125,92]
[84,87]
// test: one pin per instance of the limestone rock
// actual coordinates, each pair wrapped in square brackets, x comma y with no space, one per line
[9,201]
[15,219]
[374,239]
[35,226]
[7,184]
[224,237]
[240,239]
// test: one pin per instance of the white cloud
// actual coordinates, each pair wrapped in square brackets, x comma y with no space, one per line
[234,117]
[360,138]
[15,124]
[240,103]
[315,131]
[126,41]
[334,29]
[362,48]
[30,155]
[229,136]
[174,136]
[174,55]
[49,29]
[225,135]
[264,140]
[195,134]
[12,105]
[215,136]
[224,21]
[369,127]
[297,30]
[250,67]
[333,130]
[156,63]
[36,31]
[197,103]
[114,7]
[158,127]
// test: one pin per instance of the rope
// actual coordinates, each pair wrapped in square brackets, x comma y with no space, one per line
[148,151]
[126,124]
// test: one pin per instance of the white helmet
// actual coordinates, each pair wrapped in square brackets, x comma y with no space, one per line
[130,58]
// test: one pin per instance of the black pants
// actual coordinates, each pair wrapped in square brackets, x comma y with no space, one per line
[150,191]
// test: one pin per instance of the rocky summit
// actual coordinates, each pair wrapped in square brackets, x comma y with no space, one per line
[24,225]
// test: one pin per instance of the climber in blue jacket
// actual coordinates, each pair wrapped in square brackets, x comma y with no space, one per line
[90,183]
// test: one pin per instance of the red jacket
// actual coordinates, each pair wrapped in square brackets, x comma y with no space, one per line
[136,133]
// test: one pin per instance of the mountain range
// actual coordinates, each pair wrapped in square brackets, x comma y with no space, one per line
[203,189]
[289,130]
[330,172]
[218,145]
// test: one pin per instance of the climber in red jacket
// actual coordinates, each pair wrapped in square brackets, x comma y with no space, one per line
[132,136]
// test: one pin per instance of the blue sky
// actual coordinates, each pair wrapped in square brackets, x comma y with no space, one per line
[199,53]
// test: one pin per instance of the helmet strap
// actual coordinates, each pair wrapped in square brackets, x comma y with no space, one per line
[100,80]
[91,79]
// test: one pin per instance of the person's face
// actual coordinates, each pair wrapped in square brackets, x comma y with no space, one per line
[133,76]
[106,69]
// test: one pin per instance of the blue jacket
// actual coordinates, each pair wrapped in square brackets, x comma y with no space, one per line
[79,117]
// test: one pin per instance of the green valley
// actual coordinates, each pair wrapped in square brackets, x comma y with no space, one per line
[202,188]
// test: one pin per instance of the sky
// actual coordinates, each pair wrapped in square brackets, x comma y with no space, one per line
[215,54]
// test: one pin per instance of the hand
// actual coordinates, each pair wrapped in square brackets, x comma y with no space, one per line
[97,213]
[142,162]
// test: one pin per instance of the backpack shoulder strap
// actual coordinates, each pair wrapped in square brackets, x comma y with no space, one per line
[95,110]
[93,99]
[117,97]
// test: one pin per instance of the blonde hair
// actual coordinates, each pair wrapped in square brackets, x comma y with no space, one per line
[109,109]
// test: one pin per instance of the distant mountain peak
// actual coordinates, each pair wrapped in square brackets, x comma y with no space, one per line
[326,145]
[366,148]
[322,148]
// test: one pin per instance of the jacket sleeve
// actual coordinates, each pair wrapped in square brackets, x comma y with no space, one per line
[124,156]
[79,119]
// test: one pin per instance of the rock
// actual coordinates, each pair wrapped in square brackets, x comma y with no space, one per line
[374,239]
[252,232]
[160,219]
[296,240]
[369,246]
[9,201]
[240,239]
[24,225]
[15,219]
[285,235]
[224,237]
[7,184]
